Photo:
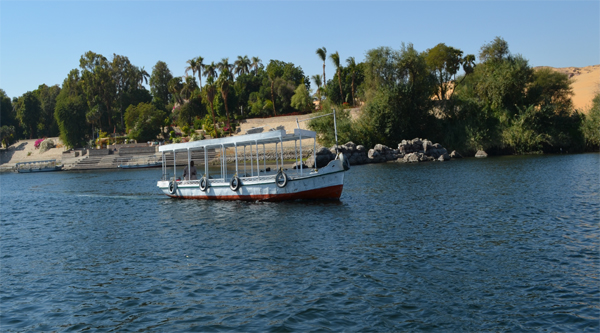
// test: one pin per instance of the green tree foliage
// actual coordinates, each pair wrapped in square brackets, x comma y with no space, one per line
[549,87]
[8,122]
[591,125]
[399,86]
[301,99]
[70,114]
[98,84]
[444,62]
[29,111]
[47,124]
[347,73]
[128,86]
[144,122]
[159,84]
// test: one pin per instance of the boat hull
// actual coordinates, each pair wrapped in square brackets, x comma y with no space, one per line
[327,184]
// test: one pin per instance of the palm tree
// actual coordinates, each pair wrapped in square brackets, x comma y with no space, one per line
[242,65]
[224,84]
[143,76]
[352,66]
[317,79]
[256,62]
[322,53]
[225,67]
[224,81]
[199,68]
[188,87]
[210,71]
[174,86]
[211,91]
[192,66]
[335,58]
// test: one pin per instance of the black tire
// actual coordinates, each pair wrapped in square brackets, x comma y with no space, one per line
[203,184]
[235,183]
[172,187]
[281,179]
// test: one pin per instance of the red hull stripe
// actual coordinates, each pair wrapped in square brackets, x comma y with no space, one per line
[330,193]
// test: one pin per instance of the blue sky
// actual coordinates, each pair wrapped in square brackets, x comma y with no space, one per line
[41,41]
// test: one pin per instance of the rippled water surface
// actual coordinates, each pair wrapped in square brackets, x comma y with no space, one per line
[500,244]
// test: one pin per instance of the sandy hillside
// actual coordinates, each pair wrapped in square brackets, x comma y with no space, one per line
[25,151]
[586,84]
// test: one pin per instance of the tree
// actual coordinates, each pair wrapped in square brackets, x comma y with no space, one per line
[273,71]
[159,84]
[352,67]
[144,122]
[256,64]
[143,77]
[242,65]
[444,61]
[591,125]
[399,85]
[199,68]
[97,82]
[301,99]
[224,82]
[211,91]
[47,96]
[210,71]
[175,86]
[317,79]
[335,58]
[188,88]
[70,114]
[192,67]
[496,50]
[29,112]
[549,87]
[322,53]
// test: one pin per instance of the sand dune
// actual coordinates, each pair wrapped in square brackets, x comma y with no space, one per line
[586,84]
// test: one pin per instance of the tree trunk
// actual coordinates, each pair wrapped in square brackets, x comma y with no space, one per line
[273,97]
[340,81]
[324,79]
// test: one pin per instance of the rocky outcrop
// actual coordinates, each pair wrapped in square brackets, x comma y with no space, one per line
[409,151]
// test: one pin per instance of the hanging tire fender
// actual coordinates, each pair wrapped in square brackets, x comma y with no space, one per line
[345,162]
[281,179]
[172,187]
[235,183]
[203,184]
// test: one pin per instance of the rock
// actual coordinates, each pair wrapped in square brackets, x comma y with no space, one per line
[361,148]
[350,146]
[444,157]
[298,164]
[455,154]
[373,154]
[322,151]
[481,154]
[413,158]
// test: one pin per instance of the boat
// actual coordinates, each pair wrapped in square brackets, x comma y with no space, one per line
[38,166]
[143,164]
[256,182]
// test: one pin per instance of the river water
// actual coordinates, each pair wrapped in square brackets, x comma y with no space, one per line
[499,244]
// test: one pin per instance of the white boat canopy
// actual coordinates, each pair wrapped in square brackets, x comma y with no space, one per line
[277,136]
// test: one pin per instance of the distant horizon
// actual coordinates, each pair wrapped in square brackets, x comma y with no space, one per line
[41,44]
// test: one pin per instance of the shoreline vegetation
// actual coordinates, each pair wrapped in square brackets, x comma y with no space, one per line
[493,102]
